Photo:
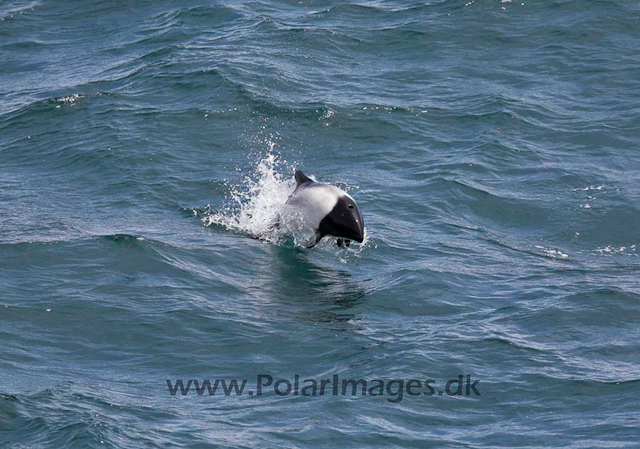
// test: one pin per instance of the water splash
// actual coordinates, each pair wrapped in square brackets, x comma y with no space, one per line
[254,205]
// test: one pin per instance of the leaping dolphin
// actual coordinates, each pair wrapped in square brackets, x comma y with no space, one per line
[323,209]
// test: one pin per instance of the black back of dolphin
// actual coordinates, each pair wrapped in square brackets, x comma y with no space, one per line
[301,178]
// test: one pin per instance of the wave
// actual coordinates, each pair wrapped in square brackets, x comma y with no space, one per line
[16,11]
[71,414]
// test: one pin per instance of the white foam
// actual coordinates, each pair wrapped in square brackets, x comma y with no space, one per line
[552,252]
[254,205]
[610,249]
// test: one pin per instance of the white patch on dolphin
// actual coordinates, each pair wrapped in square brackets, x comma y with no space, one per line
[316,209]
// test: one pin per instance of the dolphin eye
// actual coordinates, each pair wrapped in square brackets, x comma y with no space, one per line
[350,206]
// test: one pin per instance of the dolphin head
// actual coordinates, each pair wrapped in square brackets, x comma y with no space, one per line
[344,221]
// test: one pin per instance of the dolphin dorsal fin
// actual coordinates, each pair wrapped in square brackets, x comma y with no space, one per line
[301,178]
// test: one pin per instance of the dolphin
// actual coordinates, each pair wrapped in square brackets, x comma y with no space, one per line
[322,209]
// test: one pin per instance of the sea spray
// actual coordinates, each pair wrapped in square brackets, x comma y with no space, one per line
[253,206]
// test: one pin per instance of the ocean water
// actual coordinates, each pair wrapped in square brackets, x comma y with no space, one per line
[491,145]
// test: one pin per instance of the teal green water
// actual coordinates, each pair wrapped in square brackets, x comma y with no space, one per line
[492,147]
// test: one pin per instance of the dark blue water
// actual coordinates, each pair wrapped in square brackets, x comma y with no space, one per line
[492,147]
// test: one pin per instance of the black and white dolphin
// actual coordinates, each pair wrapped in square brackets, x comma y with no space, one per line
[321,209]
